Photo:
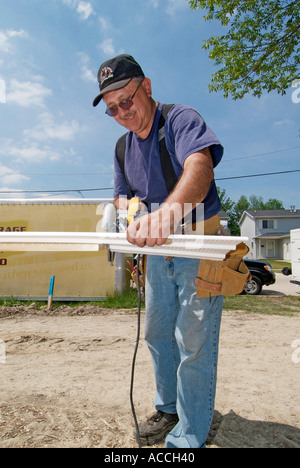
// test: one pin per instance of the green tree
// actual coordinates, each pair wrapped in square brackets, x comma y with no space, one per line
[260,48]
[273,204]
[235,210]
[256,203]
[228,206]
[242,205]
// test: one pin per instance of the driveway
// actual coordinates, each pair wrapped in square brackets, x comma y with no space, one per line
[282,287]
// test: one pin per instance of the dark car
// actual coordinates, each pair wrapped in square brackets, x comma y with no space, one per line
[286,271]
[262,275]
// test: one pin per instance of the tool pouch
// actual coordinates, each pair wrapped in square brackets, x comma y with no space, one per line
[134,278]
[223,278]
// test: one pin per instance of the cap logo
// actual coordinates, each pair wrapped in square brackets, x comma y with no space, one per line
[105,74]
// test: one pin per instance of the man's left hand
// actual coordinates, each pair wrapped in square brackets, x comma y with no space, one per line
[153,229]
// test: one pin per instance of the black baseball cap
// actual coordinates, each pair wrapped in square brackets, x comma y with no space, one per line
[116,73]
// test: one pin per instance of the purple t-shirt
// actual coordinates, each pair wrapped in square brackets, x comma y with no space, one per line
[186,133]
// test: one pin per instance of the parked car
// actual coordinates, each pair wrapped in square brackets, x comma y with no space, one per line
[261,275]
[286,271]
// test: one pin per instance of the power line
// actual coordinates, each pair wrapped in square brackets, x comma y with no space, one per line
[261,154]
[259,175]
[111,173]
[79,191]
[54,174]
[57,191]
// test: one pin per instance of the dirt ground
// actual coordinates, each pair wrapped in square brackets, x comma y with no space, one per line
[65,379]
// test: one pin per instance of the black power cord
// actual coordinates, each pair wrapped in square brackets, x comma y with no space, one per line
[135,353]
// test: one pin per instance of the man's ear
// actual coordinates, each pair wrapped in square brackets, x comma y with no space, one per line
[147,86]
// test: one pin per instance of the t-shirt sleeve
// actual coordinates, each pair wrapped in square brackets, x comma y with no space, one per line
[187,133]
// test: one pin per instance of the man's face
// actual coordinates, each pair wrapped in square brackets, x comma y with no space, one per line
[139,117]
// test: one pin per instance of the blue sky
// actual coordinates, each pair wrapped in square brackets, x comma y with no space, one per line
[51,138]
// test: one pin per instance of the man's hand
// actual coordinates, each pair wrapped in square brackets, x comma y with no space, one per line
[155,228]
[191,189]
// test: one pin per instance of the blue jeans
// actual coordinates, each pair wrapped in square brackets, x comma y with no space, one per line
[182,333]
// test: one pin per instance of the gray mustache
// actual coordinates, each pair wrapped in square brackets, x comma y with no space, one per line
[130,114]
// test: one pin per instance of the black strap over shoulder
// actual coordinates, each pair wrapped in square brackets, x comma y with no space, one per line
[120,153]
[167,167]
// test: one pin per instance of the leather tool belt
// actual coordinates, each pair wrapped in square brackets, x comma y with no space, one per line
[222,278]
[215,278]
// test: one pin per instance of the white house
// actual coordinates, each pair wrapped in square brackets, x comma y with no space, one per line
[224,219]
[295,254]
[269,232]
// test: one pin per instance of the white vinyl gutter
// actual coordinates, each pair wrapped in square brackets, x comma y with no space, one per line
[189,246]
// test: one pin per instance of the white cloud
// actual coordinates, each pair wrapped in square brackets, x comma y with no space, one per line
[2,90]
[49,129]
[107,47]
[70,3]
[7,36]
[176,5]
[32,153]
[84,9]
[86,72]
[88,75]
[10,178]
[283,122]
[39,144]
[103,23]
[26,151]
[27,93]
[154,3]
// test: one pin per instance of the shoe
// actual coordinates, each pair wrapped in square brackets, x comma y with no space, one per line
[156,428]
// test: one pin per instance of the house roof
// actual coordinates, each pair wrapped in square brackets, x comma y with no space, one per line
[223,215]
[272,235]
[273,213]
[255,214]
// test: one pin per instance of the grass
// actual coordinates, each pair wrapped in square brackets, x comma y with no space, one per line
[126,300]
[264,305]
[277,265]
[12,302]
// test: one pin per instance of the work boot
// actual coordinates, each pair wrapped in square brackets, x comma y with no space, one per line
[156,428]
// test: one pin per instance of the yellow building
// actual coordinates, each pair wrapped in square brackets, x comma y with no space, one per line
[79,275]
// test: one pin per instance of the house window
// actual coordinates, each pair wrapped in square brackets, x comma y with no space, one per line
[268,224]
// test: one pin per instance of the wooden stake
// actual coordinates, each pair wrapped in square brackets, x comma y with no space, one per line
[51,289]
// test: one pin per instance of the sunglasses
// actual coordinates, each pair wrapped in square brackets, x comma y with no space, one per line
[125,104]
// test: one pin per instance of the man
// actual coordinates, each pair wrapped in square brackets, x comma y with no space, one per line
[182,330]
